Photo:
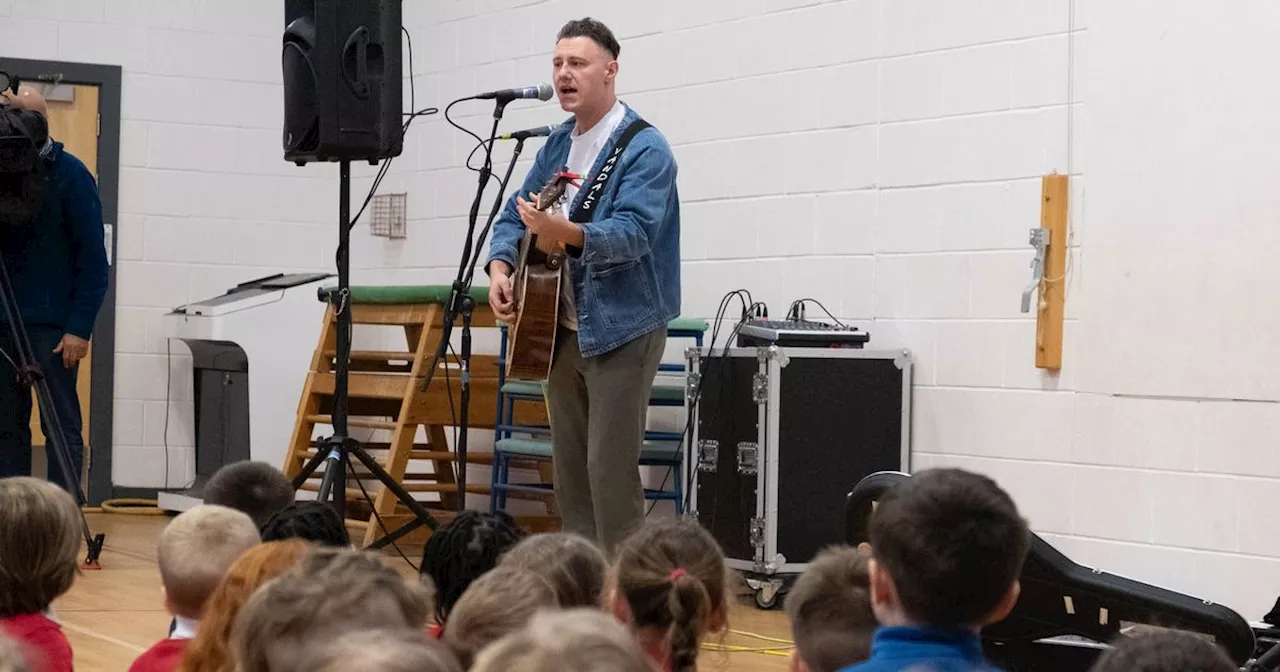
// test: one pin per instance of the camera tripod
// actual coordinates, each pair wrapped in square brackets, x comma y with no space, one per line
[31,374]
[336,451]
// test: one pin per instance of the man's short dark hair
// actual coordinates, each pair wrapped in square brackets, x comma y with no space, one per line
[256,488]
[598,32]
[1164,652]
[830,610]
[953,542]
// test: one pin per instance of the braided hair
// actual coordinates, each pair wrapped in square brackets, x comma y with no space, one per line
[672,575]
[462,550]
[309,521]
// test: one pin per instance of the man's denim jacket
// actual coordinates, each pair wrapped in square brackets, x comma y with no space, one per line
[626,277]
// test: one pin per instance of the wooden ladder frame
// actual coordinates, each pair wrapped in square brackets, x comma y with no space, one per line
[385,393]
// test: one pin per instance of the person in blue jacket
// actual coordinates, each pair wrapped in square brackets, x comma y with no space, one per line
[57,264]
[621,233]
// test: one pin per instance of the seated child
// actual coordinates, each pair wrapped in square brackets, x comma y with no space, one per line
[463,549]
[947,548]
[209,650]
[195,550]
[39,547]
[581,639]
[830,612]
[332,592]
[310,521]
[386,650]
[256,488]
[573,565]
[495,605]
[1169,651]
[669,585]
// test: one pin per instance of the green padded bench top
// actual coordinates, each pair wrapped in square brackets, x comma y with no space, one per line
[390,295]
[407,294]
[688,324]
[652,451]
[533,389]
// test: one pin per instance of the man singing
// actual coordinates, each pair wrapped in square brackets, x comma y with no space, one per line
[57,263]
[621,283]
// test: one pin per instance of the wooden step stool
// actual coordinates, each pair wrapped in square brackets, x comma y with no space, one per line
[385,393]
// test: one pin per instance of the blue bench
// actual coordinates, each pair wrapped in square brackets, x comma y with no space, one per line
[533,443]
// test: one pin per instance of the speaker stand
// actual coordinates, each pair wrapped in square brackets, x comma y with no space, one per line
[339,447]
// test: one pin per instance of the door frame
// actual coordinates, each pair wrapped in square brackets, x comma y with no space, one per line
[102,367]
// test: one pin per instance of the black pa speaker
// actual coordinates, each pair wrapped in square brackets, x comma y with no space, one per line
[342,80]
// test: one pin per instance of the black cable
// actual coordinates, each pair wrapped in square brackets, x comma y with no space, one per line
[404,130]
[455,124]
[413,101]
[799,303]
[368,498]
[744,296]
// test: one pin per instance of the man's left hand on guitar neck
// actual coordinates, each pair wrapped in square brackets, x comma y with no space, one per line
[550,225]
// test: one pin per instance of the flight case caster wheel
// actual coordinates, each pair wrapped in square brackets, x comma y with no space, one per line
[767,591]
[766,599]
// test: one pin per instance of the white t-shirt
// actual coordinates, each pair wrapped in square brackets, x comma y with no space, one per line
[583,151]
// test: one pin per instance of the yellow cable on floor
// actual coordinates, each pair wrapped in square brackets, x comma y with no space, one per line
[753,635]
[132,507]
[732,648]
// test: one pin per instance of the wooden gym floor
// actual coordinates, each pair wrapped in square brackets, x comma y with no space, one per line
[113,614]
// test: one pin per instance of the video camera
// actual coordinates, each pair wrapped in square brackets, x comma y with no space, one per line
[24,137]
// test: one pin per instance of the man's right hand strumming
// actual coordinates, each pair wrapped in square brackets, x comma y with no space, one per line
[501,292]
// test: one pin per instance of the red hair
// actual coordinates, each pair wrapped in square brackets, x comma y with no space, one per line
[210,650]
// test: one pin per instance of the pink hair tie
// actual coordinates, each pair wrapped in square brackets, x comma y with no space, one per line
[675,575]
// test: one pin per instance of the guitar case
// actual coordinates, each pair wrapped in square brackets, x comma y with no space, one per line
[1061,599]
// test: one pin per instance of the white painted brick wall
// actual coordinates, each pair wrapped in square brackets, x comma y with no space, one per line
[885,157]
[205,199]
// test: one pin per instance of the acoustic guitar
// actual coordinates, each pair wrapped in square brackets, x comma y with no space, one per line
[536,286]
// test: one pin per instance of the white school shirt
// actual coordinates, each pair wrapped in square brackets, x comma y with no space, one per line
[584,148]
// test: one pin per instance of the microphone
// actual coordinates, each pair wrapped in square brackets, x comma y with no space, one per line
[542,91]
[537,132]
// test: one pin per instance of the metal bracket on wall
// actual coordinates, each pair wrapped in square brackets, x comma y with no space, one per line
[1039,240]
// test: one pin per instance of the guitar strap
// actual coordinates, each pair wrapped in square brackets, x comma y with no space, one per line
[590,199]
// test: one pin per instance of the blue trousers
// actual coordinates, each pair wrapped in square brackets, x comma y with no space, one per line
[15,407]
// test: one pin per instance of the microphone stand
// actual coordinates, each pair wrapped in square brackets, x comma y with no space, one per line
[461,302]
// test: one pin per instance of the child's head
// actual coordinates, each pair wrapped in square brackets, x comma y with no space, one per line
[669,584]
[947,549]
[195,551]
[383,650]
[210,650]
[460,551]
[581,639]
[310,521]
[39,543]
[495,605]
[574,566]
[1169,651]
[830,612]
[256,488]
[333,591]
